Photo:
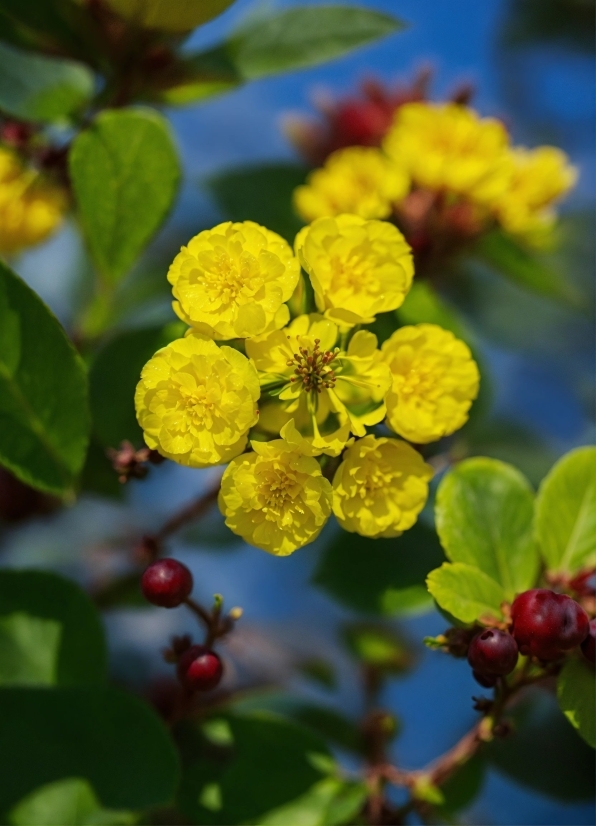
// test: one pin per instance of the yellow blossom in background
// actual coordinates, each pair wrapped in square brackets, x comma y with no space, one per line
[539,177]
[357,268]
[435,380]
[380,487]
[359,180]
[329,392]
[31,206]
[196,401]
[275,497]
[232,281]
[448,147]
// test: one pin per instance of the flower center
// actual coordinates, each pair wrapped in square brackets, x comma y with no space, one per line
[313,369]
[226,278]
[417,381]
[348,274]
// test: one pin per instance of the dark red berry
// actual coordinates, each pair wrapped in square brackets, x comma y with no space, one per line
[584,584]
[485,680]
[167,583]
[493,652]
[199,669]
[546,624]
[589,644]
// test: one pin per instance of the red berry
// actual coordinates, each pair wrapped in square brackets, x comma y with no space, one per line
[589,644]
[199,669]
[485,680]
[166,583]
[493,652]
[546,624]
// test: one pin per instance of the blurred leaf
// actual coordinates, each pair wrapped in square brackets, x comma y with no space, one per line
[28,649]
[576,691]
[328,723]
[466,592]
[380,576]
[566,512]
[545,752]
[570,22]
[123,591]
[268,767]
[105,736]
[261,194]
[463,786]
[378,646]
[125,173]
[518,263]
[69,802]
[113,376]
[44,419]
[423,304]
[484,511]
[37,88]
[328,803]
[98,475]
[301,37]
[79,647]
[319,671]
[171,15]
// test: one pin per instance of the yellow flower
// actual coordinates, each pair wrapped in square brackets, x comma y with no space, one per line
[357,268]
[327,391]
[435,380]
[539,177]
[196,401]
[380,487]
[232,281]
[31,206]
[275,498]
[449,147]
[360,180]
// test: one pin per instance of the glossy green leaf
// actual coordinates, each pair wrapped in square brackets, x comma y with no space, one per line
[125,173]
[262,194]
[38,88]
[544,753]
[484,511]
[380,576]
[576,692]
[44,418]
[170,15]
[70,802]
[104,736]
[330,802]
[466,592]
[68,625]
[566,512]
[300,37]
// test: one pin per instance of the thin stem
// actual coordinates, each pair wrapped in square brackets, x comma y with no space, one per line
[187,514]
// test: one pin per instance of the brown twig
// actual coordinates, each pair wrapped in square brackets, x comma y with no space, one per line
[187,514]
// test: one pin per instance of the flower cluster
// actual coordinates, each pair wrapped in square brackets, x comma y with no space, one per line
[314,395]
[449,151]
[31,206]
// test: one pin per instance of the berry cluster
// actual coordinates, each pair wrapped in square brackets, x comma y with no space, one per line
[168,583]
[544,625]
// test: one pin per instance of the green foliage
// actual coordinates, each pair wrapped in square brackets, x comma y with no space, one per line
[262,194]
[328,723]
[380,576]
[329,802]
[484,512]
[37,88]
[44,419]
[463,786]
[378,646]
[70,802]
[125,173]
[51,631]
[466,592]
[566,512]
[576,690]
[171,15]
[424,304]
[268,766]
[102,735]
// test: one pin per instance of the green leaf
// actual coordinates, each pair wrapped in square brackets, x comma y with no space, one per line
[423,304]
[328,723]
[68,648]
[170,15]
[466,592]
[566,512]
[125,173]
[262,194]
[524,267]
[379,646]
[104,736]
[37,88]
[44,418]
[380,576]
[484,511]
[331,801]
[301,37]
[70,802]
[576,692]
[544,753]
[463,786]
[268,766]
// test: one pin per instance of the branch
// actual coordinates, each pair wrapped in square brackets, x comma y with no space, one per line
[187,514]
